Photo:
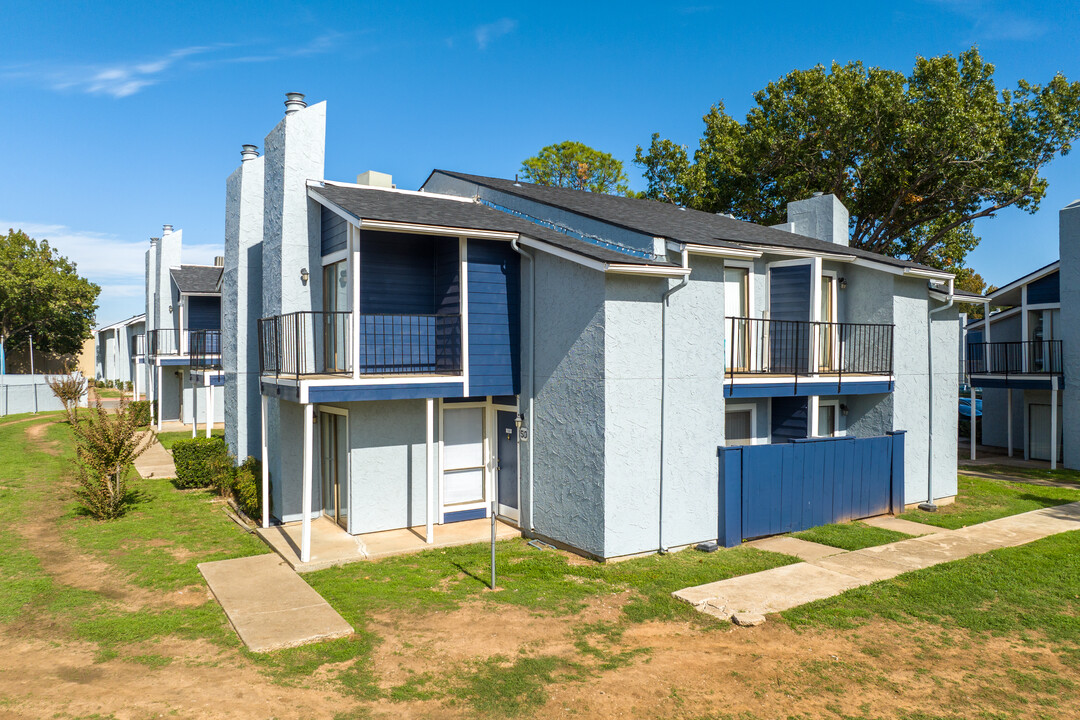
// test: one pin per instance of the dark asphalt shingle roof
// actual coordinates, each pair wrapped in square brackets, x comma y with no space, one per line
[668,220]
[368,203]
[196,278]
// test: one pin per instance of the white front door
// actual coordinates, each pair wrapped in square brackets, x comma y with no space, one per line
[464,463]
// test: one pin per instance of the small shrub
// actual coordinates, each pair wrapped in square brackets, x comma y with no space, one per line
[69,389]
[106,445]
[140,410]
[128,385]
[92,382]
[197,460]
[247,488]
[222,471]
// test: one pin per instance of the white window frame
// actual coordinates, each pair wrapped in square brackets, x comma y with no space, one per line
[743,407]
[747,265]
[816,402]
[492,424]
[835,302]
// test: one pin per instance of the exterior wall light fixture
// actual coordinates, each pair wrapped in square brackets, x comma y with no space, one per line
[843,283]
[304,275]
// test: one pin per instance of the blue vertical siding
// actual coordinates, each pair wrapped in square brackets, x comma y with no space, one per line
[494,318]
[204,313]
[789,418]
[334,232]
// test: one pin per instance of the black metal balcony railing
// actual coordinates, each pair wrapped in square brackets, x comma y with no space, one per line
[1030,357]
[138,346]
[318,343]
[758,346]
[204,349]
[164,341]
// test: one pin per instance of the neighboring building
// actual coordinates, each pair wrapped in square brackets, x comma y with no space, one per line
[575,360]
[115,349]
[180,353]
[1021,358]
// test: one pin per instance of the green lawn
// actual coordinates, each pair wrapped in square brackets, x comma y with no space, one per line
[981,499]
[851,535]
[1059,475]
[107,392]
[167,439]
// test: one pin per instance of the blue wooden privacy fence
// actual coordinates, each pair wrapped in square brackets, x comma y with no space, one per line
[773,489]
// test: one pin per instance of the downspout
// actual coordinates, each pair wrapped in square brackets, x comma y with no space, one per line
[530,356]
[929,505]
[661,548]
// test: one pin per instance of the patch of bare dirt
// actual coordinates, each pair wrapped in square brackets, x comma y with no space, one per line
[36,434]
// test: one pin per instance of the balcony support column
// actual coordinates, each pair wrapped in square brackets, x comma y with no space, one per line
[305,530]
[159,398]
[265,468]
[194,412]
[1053,422]
[973,421]
[209,405]
[430,456]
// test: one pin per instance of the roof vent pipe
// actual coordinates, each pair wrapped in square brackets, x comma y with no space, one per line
[248,152]
[294,102]
[219,261]
[166,230]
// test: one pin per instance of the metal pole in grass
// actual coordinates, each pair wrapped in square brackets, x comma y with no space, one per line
[494,507]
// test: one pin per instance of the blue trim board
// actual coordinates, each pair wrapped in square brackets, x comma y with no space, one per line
[173,361]
[403,391]
[460,515]
[1027,383]
[779,389]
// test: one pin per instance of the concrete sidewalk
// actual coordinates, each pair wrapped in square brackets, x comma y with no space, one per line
[269,605]
[155,462]
[825,574]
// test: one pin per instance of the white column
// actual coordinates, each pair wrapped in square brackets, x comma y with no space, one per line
[265,470]
[430,512]
[159,398]
[986,337]
[305,531]
[194,412]
[1053,424]
[973,421]
[136,382]
[1009,416]
[209,406]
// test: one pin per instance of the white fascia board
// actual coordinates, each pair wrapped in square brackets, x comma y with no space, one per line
[994,317]
[925,273]
[801,253]
[561,253]
[446,230]
[438,196]
[660,270]
[724,252]
[1027,279]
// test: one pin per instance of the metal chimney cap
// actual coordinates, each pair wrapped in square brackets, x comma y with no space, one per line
[817,194]
[248,152]
[166,229]
[294,102]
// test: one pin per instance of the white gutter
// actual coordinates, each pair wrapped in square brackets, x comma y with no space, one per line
[929,505]
[531,384]
[661,548]
[661,270]
[725,252]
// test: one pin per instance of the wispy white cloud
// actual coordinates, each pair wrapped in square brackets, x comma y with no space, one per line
[989,21]
[125,78]
[485,34]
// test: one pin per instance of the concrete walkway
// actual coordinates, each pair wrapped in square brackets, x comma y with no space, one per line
[271,606]
[824,574]
[155,462]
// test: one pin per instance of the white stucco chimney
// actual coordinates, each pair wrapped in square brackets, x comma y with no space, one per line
[820,216]
[294,102]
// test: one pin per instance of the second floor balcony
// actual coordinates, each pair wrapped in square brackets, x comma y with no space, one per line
[138,345]
[314,343]
[1031,357]
[761,347]
[204,349]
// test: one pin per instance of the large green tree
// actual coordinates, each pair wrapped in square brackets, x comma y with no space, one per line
[576,165]
[915,158]
[42,293]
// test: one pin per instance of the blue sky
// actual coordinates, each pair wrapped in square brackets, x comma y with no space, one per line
[120,117]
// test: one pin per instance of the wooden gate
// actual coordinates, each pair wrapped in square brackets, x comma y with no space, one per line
[774,489]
